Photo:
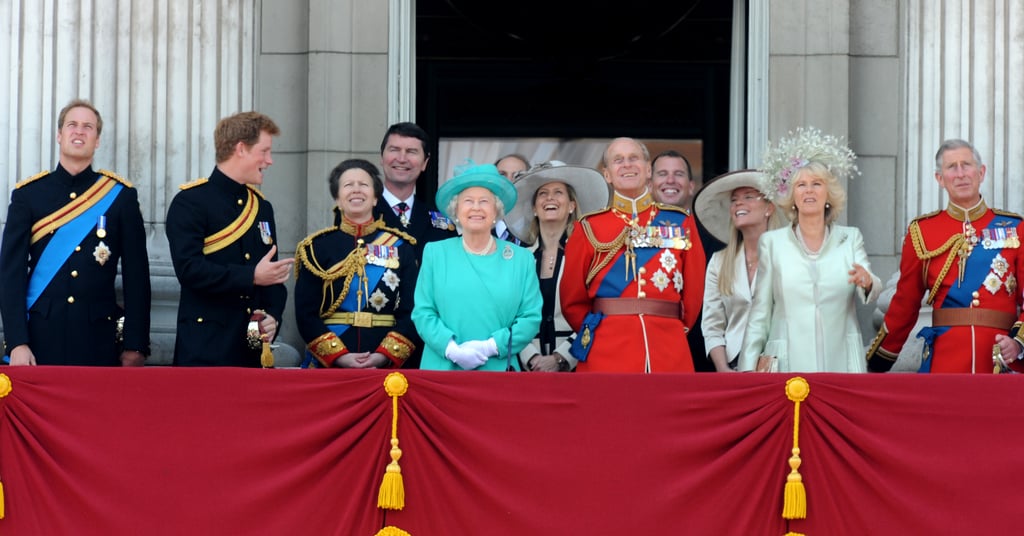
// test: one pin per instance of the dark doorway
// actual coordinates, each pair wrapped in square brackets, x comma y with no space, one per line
[655,69]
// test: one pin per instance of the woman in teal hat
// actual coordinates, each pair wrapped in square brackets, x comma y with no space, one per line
[477,297]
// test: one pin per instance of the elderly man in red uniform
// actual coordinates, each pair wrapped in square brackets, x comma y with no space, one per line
[967,259]
[633,280]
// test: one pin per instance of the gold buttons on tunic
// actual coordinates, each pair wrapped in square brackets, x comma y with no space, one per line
[73,195]
[200,320]
[641,282]
[975,294]
[240,202]
[641,294]
[74,273]
[71,299]
[975,303]
[642,270]
[78,248]
[246,256]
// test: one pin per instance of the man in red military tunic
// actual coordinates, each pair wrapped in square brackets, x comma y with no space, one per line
[633,280]
[967,259]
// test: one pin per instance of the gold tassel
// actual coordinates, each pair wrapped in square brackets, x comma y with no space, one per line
[794,534]
[267,356]
[392,531]
[392,489]
[5,389]
[794,505]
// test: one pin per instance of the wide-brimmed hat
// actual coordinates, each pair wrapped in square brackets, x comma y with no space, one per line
[470,175]
[590,186]
[713,203]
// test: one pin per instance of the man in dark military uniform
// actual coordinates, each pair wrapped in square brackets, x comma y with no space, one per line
[223,245]
[66,232]
[403,157]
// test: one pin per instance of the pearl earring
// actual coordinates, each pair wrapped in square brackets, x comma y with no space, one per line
[828,205]
[794,207]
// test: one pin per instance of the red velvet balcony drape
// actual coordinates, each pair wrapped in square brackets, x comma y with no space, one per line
[162,451]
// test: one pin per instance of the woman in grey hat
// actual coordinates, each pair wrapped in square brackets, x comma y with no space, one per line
[736,212]
[552,196]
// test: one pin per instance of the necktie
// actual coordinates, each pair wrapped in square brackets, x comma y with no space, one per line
[402,209]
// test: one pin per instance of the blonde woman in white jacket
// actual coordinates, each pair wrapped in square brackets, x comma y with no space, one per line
[732,209]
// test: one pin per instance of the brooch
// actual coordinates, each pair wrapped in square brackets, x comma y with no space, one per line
[101,253]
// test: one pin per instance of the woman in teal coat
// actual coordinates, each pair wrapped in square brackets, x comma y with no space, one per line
[477,297]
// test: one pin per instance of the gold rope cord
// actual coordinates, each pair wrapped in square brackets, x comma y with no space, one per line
[954,245]
[603,251]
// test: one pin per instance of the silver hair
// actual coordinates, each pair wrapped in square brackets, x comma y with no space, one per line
[955,143]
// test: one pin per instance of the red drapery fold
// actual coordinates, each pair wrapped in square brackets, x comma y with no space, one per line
[278,452]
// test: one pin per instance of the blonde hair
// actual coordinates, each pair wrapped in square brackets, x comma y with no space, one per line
[735,245]
[836,195]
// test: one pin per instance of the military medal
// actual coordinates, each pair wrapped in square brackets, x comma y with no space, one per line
[101,227]
[101,253]
[987,242]
[265,232]
[1012,240]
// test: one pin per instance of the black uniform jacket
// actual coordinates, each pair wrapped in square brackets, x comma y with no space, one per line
[73,322]
[324,261]
[218,295]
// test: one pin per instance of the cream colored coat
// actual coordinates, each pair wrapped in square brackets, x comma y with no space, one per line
[804,310]
[724,318]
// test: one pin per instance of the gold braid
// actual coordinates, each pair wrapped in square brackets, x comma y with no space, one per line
[603,250]
[353,264]
[954,245]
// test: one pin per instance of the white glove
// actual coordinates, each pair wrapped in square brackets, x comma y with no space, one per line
[466,358]
[488,348]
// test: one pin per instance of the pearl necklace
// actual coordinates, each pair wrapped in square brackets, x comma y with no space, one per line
[484,251]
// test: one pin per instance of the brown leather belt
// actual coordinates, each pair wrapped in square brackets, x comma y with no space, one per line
[636,306]
[965,316]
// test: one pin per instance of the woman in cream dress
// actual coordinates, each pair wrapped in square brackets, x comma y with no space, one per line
[811,274]
[733,210]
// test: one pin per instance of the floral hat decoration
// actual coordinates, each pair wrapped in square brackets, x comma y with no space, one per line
[781,161]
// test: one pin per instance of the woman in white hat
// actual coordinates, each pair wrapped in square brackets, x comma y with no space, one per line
[477,297]
[733,210]
[552,196]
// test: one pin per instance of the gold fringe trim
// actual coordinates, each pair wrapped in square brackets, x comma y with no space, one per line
[392,531]
[5,389]
[392,489]
[794,505]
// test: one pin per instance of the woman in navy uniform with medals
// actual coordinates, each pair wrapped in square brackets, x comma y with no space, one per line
[355,281]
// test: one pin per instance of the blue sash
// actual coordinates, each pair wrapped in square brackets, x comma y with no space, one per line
[374,274]
[977,267]
[63,243]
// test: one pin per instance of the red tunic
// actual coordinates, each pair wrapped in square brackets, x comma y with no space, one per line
[673,273]
[991,277]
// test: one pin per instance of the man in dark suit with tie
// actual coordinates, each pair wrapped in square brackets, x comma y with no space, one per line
[404,155]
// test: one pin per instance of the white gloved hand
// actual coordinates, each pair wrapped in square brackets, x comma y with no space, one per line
[488,348]
[466,358]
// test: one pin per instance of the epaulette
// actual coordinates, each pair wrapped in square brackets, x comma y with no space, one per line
[35,177]
[928,215]
[595,212]
[257,192]
[401,234]
[116,177]
[672,208]
[193,184]
[305,242]
[1007,213]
